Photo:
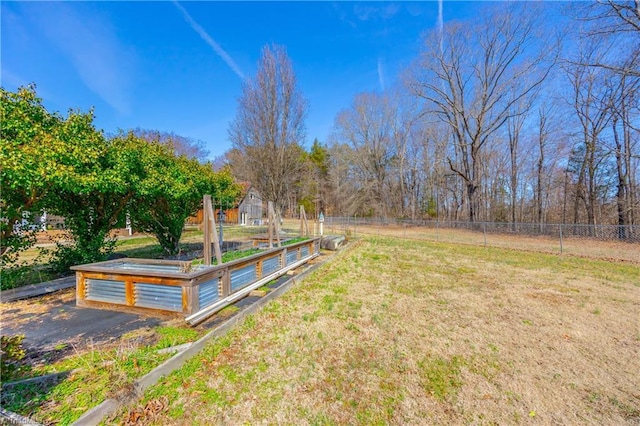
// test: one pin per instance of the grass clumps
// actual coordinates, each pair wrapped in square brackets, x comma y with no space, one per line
[173,336]
[441,377]
[75,384]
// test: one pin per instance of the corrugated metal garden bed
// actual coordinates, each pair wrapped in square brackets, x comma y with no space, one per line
[180,288]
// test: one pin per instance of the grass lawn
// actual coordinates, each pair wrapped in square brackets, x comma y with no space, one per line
[414,332]
[87,376]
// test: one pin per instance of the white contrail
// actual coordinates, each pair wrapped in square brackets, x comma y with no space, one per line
[211,42]
[440,23]
[380,74]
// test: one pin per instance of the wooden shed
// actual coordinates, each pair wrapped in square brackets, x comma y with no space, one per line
[248,211]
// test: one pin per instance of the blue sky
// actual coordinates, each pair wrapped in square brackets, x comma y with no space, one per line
[178,67]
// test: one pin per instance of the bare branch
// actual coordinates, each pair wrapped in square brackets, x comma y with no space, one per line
[269,128]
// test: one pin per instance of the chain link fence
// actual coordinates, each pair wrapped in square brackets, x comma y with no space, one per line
[594,241]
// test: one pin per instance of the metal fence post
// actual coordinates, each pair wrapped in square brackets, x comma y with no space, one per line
[484,232]
[561,248]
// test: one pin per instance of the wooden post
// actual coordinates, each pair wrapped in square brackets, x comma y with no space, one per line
[259,269]
[216,241]
[206,201]
[271,219]
[304,224]
[283,258]
[274,225]
[129,292]
[301,220]
[210,223]
[226,283]
[190,302]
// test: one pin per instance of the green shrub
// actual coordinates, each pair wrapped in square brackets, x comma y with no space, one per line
[81,252]
[11,353]
[12,276]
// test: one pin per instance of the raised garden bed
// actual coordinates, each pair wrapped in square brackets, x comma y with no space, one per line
[169,287]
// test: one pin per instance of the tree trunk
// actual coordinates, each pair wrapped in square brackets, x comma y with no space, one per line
[621,186]
[472,198]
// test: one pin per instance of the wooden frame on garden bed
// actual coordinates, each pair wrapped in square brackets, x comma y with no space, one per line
[164,286]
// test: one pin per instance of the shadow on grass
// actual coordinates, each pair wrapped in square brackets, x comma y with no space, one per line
[28,395]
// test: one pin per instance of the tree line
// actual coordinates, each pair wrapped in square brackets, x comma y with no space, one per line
[64,166]
[527,113]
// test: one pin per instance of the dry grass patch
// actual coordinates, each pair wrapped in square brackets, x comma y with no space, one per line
[408,332]
[571,246]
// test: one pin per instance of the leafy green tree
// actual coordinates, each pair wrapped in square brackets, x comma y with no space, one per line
[170,189]
[319,155]
[320,159]
[66,166]
[61,165]
[314,183]
[95,186]
[29,154]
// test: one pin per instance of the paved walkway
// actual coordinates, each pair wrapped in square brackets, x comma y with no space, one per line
[54,321]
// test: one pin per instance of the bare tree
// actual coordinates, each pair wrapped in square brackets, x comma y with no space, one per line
[515,124]
[412,138]
[627,13]
[474,74]
[609,16]
[417,190]
[269,128]
[591,99]
[540,167]
[179,145]
[367,128]
[344,197]
[389,151]
[619,23]
[625,143]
